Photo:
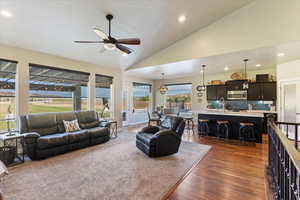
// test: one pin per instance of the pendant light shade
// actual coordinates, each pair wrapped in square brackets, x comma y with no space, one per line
[163,89]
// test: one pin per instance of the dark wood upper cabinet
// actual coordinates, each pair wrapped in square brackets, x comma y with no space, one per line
[269,91]
[215,92]
[211,92]
[254,91]
[221,91]
[265,91]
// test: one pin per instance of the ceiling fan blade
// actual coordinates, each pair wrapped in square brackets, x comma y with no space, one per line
[124,48]
[89,41]
[129,41]
[100,33]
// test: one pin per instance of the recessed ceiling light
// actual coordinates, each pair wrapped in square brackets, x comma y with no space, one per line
[280,54]
[226,68]
[182,18]
[124,54]
[5,13]
[258,65]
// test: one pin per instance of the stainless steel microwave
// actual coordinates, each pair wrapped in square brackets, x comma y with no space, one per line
[237,95]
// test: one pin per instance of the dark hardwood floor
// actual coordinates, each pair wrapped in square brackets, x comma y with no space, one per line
[230,171]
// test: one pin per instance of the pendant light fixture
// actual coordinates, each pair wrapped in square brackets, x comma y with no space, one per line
[202,88]
[245,84]
[163,89]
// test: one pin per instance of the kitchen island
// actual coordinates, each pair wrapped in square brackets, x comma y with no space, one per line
[234,118]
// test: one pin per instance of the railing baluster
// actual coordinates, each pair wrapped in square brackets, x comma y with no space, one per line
[296,136]
[284,160]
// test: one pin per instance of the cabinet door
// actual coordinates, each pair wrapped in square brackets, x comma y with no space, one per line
[269,91]
[221,92]
[211,92]
[254,91]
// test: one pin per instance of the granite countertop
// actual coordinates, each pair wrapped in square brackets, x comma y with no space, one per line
[252,113]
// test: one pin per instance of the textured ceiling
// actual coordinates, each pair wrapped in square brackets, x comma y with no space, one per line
[51,26]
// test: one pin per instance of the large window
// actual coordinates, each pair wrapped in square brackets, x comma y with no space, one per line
[103,96]
[141,97]
[7,95]
[178,97]
[57,90]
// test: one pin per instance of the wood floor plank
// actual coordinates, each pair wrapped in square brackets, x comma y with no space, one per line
[230,171]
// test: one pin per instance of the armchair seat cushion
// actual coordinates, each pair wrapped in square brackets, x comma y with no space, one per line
[78,136]
[98,132]
[144,138]
[53,140]
[150,129]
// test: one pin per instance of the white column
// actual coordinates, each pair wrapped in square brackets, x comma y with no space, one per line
[22,88]
[92,92]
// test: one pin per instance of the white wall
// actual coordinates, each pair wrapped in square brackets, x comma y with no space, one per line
[128,92]
[286,72]
[201,103]
[261,23]
[24,57]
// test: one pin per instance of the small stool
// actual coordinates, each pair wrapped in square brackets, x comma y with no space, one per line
[189,121]
[246,132]
[203,127]
[223,129]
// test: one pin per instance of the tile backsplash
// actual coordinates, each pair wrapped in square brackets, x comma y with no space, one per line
[240,105]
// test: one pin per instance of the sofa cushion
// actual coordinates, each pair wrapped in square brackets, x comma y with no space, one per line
[98,132]
[43,124]
[52,140]
[78,136]
[87,119]
[67,116]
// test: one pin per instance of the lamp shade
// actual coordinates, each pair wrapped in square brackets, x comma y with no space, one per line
[163,89]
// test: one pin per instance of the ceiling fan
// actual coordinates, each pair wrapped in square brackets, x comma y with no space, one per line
[111,43]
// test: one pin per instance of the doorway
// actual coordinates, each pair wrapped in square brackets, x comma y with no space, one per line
[290,106]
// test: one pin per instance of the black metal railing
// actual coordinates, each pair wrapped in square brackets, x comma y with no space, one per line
[284,159]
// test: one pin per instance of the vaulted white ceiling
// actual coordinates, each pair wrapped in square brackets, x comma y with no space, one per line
[261,58]
[50,26]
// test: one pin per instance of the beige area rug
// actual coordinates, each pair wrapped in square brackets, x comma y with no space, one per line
[116,170]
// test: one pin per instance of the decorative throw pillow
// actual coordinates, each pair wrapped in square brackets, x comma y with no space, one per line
[71,126]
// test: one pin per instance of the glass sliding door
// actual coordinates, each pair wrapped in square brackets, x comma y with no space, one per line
[7,95]
[141,95]
[104,96]
[57,90]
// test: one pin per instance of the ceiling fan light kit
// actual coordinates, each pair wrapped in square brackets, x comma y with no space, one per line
[111,43]
[109,46]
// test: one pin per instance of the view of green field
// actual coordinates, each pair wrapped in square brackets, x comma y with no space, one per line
[40,106]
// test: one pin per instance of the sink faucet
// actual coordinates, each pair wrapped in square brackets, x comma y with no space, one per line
[222,102]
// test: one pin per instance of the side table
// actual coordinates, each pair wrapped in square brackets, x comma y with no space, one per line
[113,127]
[13,139]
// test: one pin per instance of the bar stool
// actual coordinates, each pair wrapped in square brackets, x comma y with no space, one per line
[203,127]
[246,132]
[189,121]
[223,129]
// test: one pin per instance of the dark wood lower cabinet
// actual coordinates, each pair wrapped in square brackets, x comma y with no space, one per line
[234,124]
